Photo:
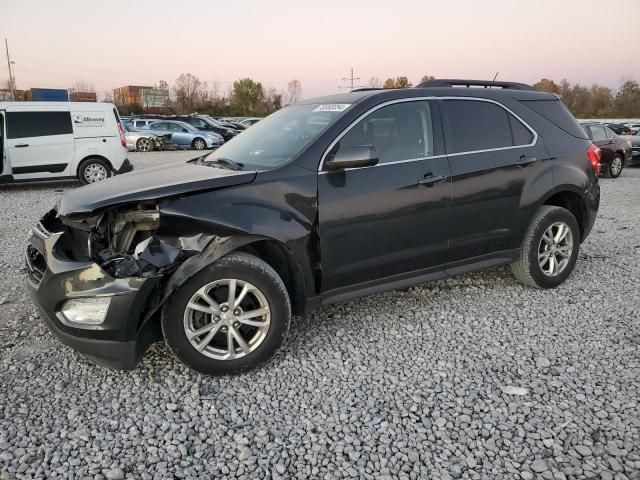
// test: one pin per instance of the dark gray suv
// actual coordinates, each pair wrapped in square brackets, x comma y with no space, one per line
[325,200]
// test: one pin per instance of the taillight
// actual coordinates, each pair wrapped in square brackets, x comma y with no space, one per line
[123,141]
[594,154]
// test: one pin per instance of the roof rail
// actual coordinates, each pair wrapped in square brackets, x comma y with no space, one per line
[447,82]
[367,89]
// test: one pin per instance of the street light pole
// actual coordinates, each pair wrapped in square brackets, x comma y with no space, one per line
[9,62]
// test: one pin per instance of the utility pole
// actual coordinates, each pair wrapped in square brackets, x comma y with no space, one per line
[352,80]
[11,83]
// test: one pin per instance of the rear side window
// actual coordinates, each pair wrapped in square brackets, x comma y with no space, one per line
[521,134]
[598,132]
[38,124]
[476,125]
[556,112]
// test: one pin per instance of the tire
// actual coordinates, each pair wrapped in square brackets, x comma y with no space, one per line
[93,170]
[529,269]
[199,144]
[614,167]
[144,144]
[180,321]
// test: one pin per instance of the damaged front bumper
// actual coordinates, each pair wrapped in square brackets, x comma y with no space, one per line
[124,335]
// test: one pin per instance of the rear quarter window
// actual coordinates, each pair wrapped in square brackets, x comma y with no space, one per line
[557,113]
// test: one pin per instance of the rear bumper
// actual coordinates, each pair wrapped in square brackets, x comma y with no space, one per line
[592,204]
[123,338]
[126,167]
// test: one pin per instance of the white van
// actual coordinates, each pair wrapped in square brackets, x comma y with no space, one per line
[56,140]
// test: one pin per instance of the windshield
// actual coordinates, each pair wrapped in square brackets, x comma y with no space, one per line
[278,138]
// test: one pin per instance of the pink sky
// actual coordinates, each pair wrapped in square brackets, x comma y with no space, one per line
[115,42]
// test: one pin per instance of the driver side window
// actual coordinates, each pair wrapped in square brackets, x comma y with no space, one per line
[401,131]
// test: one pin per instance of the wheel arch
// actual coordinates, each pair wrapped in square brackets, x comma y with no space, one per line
[89,157]
[569,198]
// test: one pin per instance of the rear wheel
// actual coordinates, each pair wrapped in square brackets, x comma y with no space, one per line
[93,170]
[228,318]
[199,144]
[550,248]
[614,168]
[144,144]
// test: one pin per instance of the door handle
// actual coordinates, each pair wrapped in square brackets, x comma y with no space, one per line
[610,142]
[22,145]
[524,160]
[429,180]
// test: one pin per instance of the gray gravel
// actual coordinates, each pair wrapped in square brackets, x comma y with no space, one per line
[474,377]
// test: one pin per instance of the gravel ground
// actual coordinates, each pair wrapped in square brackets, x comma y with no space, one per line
[473,377]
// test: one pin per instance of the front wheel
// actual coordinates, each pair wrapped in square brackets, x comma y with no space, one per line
[199,144]
[144,144]
[230,317]
[550,248]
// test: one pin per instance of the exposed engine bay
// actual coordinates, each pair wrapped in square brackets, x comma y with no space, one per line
[124,241]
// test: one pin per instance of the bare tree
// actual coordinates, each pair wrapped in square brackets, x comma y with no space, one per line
[294,91]
[374,82]
[82,86]
[162,84]
[107,96]
[188,92]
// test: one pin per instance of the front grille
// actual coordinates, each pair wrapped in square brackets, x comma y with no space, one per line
[36,264]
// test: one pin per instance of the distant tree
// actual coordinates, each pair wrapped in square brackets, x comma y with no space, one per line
[188,91]
[398,82]
[294,91]
[426,78]
[627,102]
[162,84]
[546,85]
[246,96]
[374,82]
[82,86]
[107,96]
[601,101]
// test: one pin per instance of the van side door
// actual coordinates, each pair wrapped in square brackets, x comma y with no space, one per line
[494,157]
[40,143]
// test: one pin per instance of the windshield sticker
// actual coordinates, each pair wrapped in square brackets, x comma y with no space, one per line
[332,107]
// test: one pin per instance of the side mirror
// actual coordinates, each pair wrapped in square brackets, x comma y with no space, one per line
[352,156]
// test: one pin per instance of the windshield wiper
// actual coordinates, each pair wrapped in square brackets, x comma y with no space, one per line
[226,162]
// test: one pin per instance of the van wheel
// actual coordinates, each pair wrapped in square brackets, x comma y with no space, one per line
[93,170]
[230,317]
[199,144]
[614,168]
[550,248]
[144,144]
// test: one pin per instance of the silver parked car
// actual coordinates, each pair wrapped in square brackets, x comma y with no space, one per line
[144,141]
[185,135]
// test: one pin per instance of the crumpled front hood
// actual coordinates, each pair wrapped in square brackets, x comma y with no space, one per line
[149,184]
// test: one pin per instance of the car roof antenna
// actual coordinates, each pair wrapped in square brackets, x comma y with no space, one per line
[494,77]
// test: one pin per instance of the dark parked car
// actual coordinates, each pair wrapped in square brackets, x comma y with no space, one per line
[619,128]
[635,149]
[203,123]
[323,201]
[616,151]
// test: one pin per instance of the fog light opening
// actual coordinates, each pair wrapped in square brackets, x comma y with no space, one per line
[88,311]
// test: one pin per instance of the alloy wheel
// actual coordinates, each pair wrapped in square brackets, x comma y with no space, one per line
[199,144]
[95,172]
[555,249]
[227,319]
[616,166]
[145,145]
